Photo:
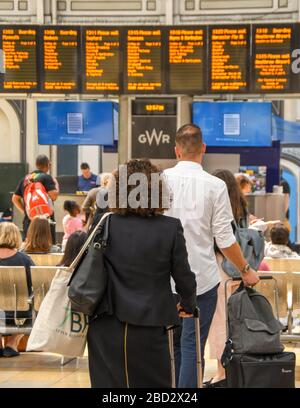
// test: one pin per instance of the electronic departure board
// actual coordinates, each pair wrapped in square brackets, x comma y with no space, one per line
[61,56]
[149,60]
[187,59]
[101,60]
[229,58]
[271,57]
[143,71]
[19,44]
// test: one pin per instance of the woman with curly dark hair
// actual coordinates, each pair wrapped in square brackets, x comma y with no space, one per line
[128,340]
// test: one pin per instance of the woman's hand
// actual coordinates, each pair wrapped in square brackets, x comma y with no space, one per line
[182,313]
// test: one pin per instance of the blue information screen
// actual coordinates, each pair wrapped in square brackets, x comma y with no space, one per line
[237,124]
[76,123]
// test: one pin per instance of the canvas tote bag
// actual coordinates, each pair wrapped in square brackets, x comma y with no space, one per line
[58,329]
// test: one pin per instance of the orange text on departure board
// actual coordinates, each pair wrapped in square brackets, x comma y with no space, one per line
[186,55]
[153,108]
[229,47]
[19,46]
[183,44]
[272,59]
[60,53]
[102,60]
[144,60]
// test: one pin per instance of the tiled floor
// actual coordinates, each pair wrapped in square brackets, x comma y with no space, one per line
[42,370]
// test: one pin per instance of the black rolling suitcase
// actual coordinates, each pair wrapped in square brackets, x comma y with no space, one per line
[257,370]
[261,371]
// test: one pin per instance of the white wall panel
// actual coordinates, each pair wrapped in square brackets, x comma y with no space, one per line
[109,162]
[110,8]
[91,155]
[32,146]
[210,7]
[234,4]
[10,135]
[18,7]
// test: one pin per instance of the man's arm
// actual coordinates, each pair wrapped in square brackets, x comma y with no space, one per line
[53,194]
[18,202]
[56,184]
[235,256]
[52,186]
[90,200]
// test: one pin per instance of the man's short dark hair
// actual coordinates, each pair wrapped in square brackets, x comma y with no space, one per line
[279,234]
[42,161]
[189,138]
[84,166]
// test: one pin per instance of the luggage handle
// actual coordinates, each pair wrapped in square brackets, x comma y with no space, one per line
[261,278]
[198,348]
[170,330]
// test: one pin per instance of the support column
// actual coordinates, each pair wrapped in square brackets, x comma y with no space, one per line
[40,11]
[290,110]
[169,4]
[54,12]
[32,146]
[124,128]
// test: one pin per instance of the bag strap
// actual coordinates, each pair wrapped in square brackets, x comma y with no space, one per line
[228,329]
[76,261]
[234,225]
[29,178]
[105,233]
[227,353]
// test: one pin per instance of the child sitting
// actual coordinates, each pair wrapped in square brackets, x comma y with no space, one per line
[278,247]
[6,215]
[72,222]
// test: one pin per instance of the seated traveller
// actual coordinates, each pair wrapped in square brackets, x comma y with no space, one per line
[39,240]
[10,242]
[6,215]
[278,247]
[72,221]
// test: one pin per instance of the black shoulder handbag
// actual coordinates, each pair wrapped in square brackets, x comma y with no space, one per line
[88,283]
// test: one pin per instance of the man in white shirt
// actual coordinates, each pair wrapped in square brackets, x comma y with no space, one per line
[201,202]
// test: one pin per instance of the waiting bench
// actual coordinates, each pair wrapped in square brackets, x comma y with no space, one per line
[46,259]
[288,272]
[41,277]
[14,297]
[279,298]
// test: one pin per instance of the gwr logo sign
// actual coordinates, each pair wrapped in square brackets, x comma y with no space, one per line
[154,137]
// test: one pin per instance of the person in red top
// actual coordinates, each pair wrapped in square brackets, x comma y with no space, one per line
[50,184]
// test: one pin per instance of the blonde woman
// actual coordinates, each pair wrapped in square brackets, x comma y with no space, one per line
[10,242]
